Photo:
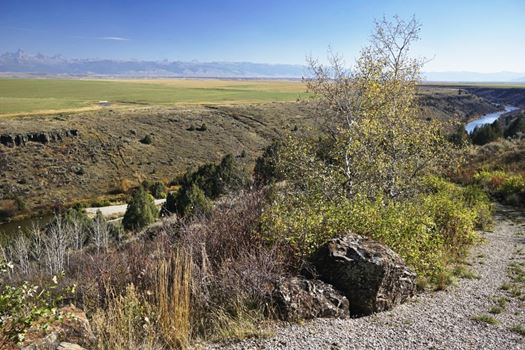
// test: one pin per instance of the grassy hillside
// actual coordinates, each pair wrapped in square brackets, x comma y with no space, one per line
[108,156]
[19,96]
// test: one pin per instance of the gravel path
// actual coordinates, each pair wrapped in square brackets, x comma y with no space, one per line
[115,210]
[440,320]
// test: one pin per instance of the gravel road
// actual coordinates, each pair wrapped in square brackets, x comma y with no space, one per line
[115,210]
[440,320]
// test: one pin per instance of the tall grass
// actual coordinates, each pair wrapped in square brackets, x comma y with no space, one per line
[150,319]
[125,323]
[173,295]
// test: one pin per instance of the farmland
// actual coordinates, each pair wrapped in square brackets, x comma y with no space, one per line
[29,96]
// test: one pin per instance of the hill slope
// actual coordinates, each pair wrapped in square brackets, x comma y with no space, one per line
[95,153]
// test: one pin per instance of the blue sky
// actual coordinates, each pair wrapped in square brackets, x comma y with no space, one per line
[481,35]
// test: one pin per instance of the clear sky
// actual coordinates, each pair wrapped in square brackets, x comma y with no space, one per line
[470,35]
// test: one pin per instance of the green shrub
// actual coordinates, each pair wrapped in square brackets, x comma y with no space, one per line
[485,318]
[188,201]
[147,140]
[216,180]
[508,188]
[141,211]
[8,208]
[208,182]
[516,127]
[156,188]
[22,305]
[496,310]
[428,232]
[266,166]
[518,328]
[100,202]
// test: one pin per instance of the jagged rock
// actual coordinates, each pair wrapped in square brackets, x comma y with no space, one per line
[76,326]
[39,137]
[71,331]
[49,342]
[372,276]
[299,299]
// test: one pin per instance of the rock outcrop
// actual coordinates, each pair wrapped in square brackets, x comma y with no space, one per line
[372,276]
[300,299]
[12,140]
[71,331]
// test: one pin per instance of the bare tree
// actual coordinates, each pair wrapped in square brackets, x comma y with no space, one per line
[19,252]
[37,235]
[56,243]
[78,232]
[100,232]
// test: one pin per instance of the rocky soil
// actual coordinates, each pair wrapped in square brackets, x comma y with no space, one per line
[451,319]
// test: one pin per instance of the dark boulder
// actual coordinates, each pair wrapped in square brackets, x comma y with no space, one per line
[372,276]
[7,140]
[300,299]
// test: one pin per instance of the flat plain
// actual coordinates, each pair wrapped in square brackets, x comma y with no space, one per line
[29,96]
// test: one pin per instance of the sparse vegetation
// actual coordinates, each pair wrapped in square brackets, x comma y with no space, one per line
[502,301]
[519,328]
[505,286]
[486,319]
[463,272]
[496,310]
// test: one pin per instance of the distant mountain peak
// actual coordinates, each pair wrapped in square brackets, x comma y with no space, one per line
[21,62]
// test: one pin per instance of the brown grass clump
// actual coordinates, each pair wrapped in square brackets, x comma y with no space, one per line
[173,295]
[125,324]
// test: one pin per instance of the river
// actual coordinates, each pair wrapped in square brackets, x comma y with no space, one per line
[13,228]
[488,118]
[10,229]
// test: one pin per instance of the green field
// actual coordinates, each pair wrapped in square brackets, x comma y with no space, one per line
[26,96]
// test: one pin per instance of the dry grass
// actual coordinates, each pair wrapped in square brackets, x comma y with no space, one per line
[147,319]
[242,324]
[173,295]
[125,324]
